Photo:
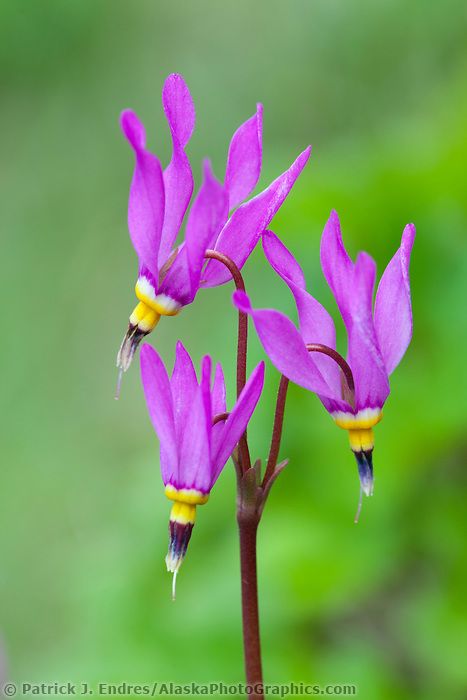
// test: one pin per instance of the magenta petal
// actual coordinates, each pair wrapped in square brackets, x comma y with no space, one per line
[337,265]
[240,234]
[364,356]
[179,108]
[146,201]
[177,282]
[208,212]
[178,183]
[352,286]
[244,159]
[206,368]
[158,395]
[285,347]
[282,260]
[393,307]
[236,423]
[184,386]
[195,464]
[316,325]
[178,179]
[218,392]
[207,216]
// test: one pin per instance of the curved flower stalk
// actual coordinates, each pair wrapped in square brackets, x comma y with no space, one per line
[193,446]
[377,338]
[169,277]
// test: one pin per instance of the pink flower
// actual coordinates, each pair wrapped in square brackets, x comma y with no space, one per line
[169,277]
[193,450]
[377,337]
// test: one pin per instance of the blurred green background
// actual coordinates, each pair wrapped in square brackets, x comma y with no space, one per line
[379,89]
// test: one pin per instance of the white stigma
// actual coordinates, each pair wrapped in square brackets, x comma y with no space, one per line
[359,508]
[119,383]
[174,584]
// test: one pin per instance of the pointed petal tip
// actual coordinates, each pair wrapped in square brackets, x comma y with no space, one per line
[207,169]
[182,355]
[241,301]
[333,220]
[146,350]
[259,372]
[174,77]
[133,129]
[364,262]
[408,235]
[305,154]
[178,107]
[206,365]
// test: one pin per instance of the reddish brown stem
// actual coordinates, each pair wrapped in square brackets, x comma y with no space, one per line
[242,345]
[220,417]
[282,396]
[248,519]
[334,355]
[242,318]
[248,526]
[277,429]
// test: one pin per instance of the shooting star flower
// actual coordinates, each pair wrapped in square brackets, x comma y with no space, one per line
[193,450]
[377,338]
[169,277]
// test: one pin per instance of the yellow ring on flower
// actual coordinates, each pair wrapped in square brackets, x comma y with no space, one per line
[363,420]
[185,502]
[161,304]
[189,496]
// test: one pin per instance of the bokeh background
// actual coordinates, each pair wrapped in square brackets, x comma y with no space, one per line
[379,89]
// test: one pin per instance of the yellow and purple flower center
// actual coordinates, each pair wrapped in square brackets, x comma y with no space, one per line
[151,306]
[360,426]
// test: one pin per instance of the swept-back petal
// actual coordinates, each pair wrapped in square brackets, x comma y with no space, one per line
[206,368]
[146,201]
[281,260]
[241,232]
[364,356]
[178,179]
[195,458]
[285,347]
[179,108]
[218,392]
[244,159]
[352,286]
[184,386]
[393,306]
[207,215]
[316,325]
[158,395]
[235,425]
[337,265]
